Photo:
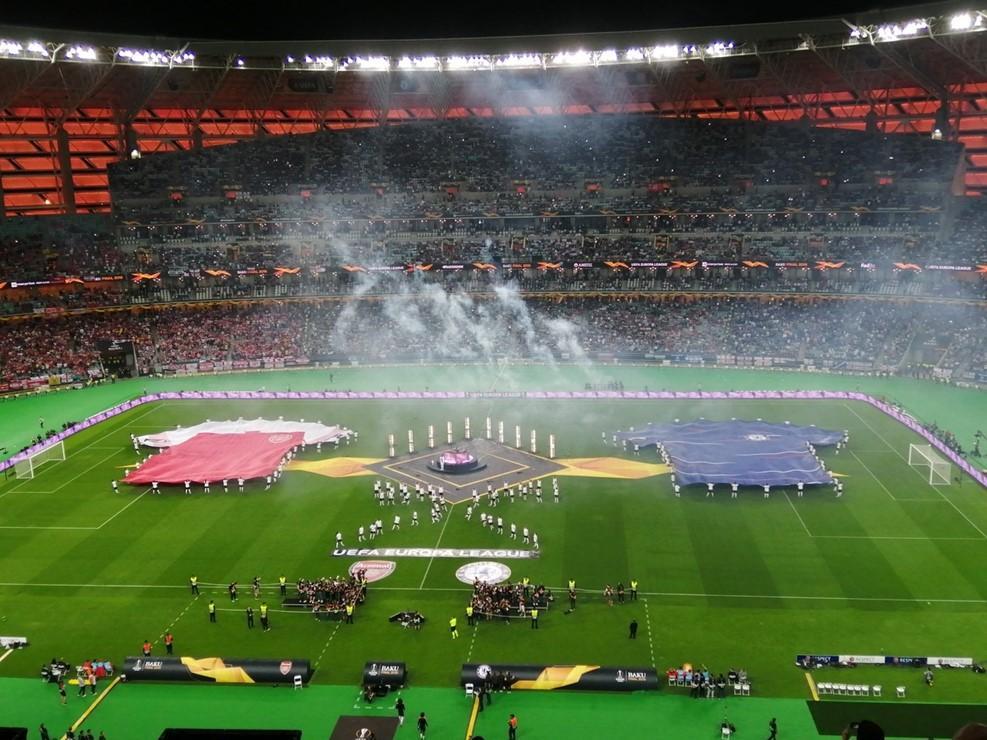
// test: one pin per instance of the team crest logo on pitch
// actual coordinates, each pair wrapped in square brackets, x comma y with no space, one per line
[285,667]
[276,439]
[376,570]
[485,571]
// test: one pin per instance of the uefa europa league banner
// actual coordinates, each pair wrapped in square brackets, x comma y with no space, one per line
[571,677]
[216,670]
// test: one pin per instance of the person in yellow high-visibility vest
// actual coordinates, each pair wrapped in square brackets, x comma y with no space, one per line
[534,619]
[633,590]
[193,582]
[349,613]
[264,622]
[469,614]
[452,629]
[282,581]
[572,584]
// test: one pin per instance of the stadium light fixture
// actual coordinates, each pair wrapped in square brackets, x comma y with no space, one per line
[82,53]
[468,62]
[719,48]
[417,63]
[966,21]
[36,47]
[634,55]
[609,56]
[516,61]
[573,58]
[10,48]
[667,51]
[895,31]
[367,64]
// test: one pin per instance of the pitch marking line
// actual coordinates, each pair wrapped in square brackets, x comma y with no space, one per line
[175,620]
[871,473]
[801,520]
[79,529]
[476,627]
[448,517]
[651,641]
[86,447]
[4,656]
[812,686]
[326,647]
[131,503]
[892,448]
[656,594]
[92,707]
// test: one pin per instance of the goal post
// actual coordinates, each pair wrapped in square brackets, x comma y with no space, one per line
[27,468]
[925,456]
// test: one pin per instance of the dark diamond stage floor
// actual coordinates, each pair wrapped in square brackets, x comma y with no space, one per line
[502,463]
[384,728]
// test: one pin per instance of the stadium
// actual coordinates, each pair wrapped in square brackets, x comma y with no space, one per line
[616,383]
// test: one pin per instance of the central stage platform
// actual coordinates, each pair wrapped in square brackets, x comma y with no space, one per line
[496,463]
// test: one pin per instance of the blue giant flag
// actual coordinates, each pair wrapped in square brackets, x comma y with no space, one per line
[749,453]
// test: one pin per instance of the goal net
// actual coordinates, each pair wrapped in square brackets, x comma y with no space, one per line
[924,456]
[27,467]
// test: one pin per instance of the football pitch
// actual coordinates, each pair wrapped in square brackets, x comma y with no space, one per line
[893,567]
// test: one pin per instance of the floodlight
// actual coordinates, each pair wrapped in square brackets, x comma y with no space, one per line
[36,47]
[965,21]
[471,62]
[85,53]
[607,57]
[573,58]
[634,55]
[10,48]
[518,60]
[670,51]
[373,63]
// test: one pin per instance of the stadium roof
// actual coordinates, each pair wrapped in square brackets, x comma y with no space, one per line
[909,70]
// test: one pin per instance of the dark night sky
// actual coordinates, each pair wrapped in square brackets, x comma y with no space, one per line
[334,19]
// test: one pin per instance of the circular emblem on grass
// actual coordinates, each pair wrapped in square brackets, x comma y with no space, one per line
[757,437]
[484,570]
[376,570]
[276,439]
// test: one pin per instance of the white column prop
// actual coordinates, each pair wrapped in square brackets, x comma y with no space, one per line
[489,429]
[411,442]
[449,432]
[431,436]
[467,427]
[534,441]
[551,446]
[500,432]
[390,445]
[517,436]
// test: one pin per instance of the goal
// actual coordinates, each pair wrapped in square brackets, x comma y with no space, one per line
[27,467]
[940,470]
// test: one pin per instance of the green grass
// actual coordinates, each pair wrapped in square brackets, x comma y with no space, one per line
[893,567]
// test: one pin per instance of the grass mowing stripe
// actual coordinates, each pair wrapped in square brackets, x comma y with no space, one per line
[935,488]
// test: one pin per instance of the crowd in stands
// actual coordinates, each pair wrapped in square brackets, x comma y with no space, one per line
[436,325]
[553,152]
